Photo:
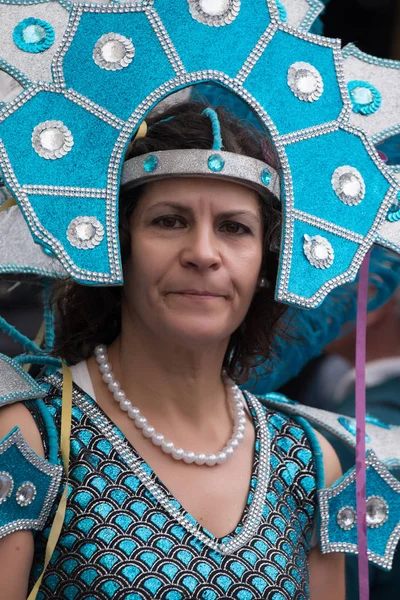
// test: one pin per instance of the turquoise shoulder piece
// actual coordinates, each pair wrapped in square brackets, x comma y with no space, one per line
[15,383]
[381,438]
[28,485]
[337,504]
[338,518]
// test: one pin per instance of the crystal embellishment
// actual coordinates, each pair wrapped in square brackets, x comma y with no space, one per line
[348,185]
[266,177]
[85,233]
[216,163]
[318,251]
[6,486]
[346,518]
[365,97]
[113,52]
[305,82]
[25,494]
[33,35]
[52,140]
[377,511]
[351,426]
[150,164]
[215,13]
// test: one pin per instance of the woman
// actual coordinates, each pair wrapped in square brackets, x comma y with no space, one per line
[186,489]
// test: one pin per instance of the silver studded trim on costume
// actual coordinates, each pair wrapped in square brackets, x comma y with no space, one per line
[6,486]
[346,518]
[305,81]
[348,185]
[318,251]
[215,13]
[113,52]
[52,140]
[254,515]
[85,233]
[374,504]
[25,494]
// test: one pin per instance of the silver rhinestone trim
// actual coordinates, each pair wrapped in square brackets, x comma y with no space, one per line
[380,499]
[327,546]
[306,69]
[11,480]
[327,226]
[52,154]
[95,109]
[64,191]
[254,515]
[113,65]
[54,471]
[337,177]
[339,518]
[257,52]
[316,7]
[165,42]
[310,247]
[85,244]
[29,487]
[218,20]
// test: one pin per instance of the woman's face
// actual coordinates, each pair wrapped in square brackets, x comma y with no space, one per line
[196,255]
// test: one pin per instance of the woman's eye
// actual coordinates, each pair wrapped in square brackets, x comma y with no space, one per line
[236,228]
[167,222]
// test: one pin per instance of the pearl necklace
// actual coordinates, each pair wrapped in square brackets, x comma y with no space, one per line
[158,440]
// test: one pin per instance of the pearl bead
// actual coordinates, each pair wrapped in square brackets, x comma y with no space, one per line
[211,460]
[119,396]
[189,458]
[148,431]
[200,459]
[229,451]
[157,439]
[178,453]
[113,387]
[239,436]
[141,422]
[222,458]
[100,349]
[108,378]
[105,368]
[167,447]
[133,412]
[125,405]
[234,443]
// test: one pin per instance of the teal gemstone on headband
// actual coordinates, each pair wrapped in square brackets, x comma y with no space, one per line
[150,164]
[216,163]
[266,177]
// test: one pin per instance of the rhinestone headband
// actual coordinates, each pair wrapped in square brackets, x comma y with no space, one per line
[244,170]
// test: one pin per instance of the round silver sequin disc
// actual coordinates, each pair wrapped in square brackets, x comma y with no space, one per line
[377,511]
[52,140]
[25,494]
[305,81]
[348,185]
[215,13]
[113,52]
[85,233]
[346,517]
[214,7]
[318,251]
[6,486]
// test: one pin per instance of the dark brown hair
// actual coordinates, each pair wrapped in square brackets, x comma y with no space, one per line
[87,316]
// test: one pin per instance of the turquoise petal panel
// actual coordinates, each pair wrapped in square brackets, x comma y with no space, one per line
[208,45]
[149,68]
[268,83]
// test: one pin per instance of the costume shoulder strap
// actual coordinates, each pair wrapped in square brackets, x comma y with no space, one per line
[337,504]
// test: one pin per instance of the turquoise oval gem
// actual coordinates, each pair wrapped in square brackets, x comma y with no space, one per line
[34,34]
[216,163]
[375,421]
[362,95]
[150,164]
[350,425]
[266,177]
[48,252]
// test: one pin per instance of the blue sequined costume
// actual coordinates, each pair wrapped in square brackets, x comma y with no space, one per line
[126,538]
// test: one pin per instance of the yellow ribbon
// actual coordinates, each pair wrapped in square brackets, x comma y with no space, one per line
[66,416]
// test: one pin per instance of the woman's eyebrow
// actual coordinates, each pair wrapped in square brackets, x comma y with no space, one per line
[187,209]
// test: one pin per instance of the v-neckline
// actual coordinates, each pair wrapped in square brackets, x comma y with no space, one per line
[252,513]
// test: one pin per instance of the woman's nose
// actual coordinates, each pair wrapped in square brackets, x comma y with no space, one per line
[201,248]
